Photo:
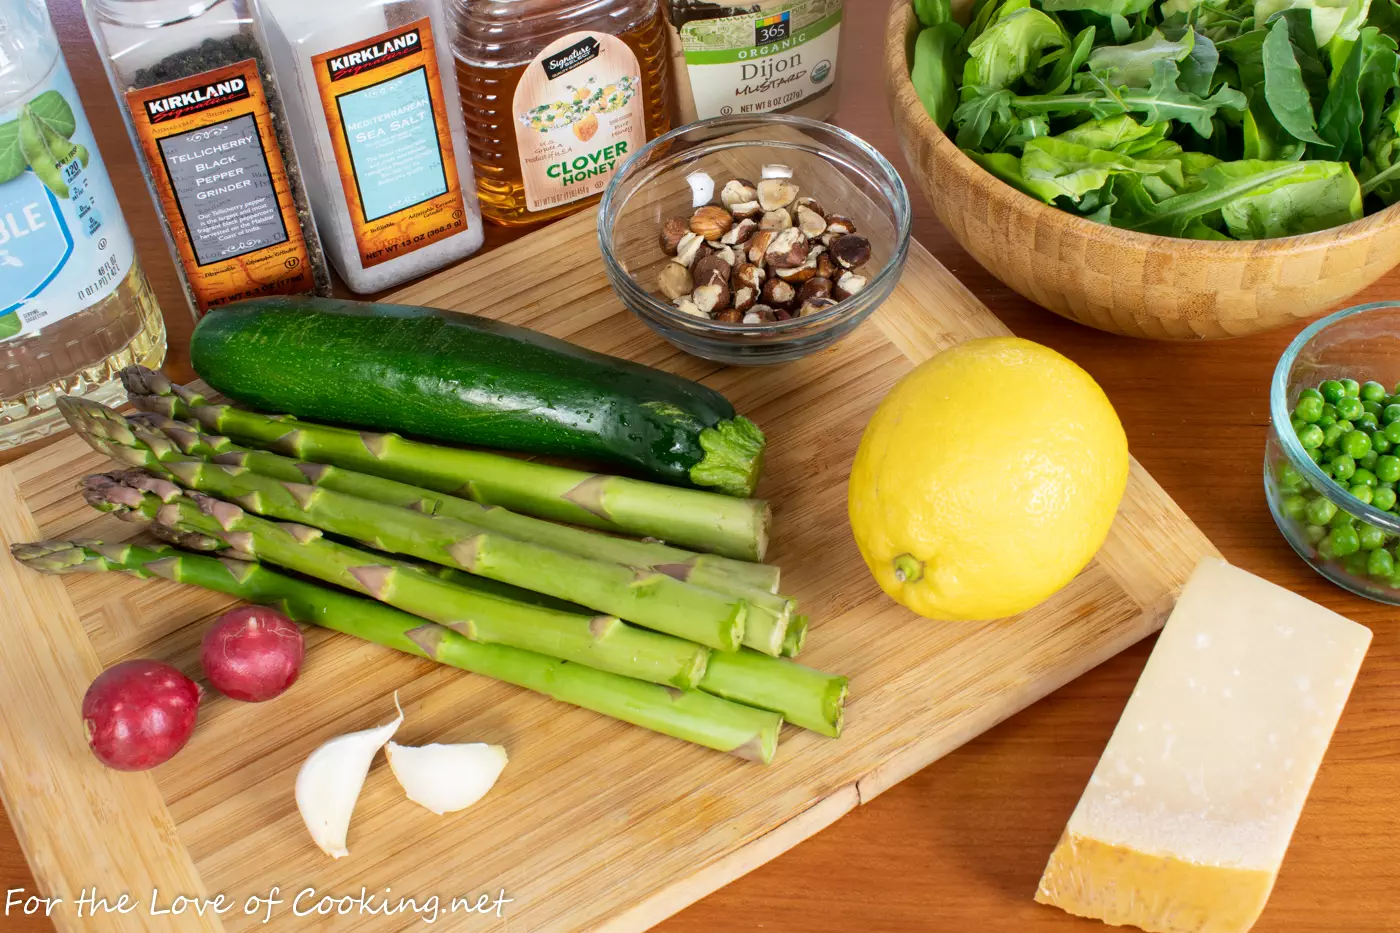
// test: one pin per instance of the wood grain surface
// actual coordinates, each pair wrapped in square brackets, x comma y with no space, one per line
[960,845]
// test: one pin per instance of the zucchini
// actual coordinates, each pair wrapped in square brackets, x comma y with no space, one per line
[469,380]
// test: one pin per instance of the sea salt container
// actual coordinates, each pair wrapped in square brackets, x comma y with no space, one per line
[376,121]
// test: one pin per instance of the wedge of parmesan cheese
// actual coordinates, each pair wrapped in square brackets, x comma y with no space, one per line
[1185,821]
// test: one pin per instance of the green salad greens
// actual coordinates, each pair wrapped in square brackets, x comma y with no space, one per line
[1210,119]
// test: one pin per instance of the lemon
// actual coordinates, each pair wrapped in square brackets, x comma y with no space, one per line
[987,479]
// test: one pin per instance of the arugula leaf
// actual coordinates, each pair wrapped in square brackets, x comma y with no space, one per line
[1380,74]
[1003,165]
[934,74]
[1161,102]
[1108,133]
[1131,65]
[12,160]
[1326,16]
[1198,68]
[1053,168]
[933,12]
[1228,182]
[1264,138]
[1340,120]
[1010,47]
[1102,7]
[1283,86]
[1067,64]
[974,117]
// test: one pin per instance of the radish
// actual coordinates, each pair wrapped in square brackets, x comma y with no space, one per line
[252,653]
[138,714]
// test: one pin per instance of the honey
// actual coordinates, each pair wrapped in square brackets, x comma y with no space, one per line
[556,97]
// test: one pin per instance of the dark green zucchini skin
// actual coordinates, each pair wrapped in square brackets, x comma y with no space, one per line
[467,380]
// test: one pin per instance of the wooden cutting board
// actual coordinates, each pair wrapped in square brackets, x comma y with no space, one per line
[595,825]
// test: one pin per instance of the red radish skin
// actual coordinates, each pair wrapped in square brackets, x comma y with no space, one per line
[138,714]
[252,654]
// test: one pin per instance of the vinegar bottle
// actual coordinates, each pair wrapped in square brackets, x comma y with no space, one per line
[75,307]
[556,96]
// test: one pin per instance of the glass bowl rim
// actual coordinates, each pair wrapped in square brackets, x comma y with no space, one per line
[1282,423]
[636,294]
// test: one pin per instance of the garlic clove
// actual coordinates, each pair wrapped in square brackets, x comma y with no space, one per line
[702,188]
[446,778]
[330,780]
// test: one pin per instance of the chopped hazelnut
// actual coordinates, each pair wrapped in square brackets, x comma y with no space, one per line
[743,298]
[788,249]
[746,210]
[713,297]
[758,245]
[730,316]
[838,224]
[746,274]
[685,306]
[775,220]
[826,266]
[710,270]
[727,254]
[737,191]
[848,284]
[775,193]
[814,306]
[850,251]
[740,232]
[688,250]
[811,204]
[778,293]
[816,287]
[672,231]
[675,281]
[810,222]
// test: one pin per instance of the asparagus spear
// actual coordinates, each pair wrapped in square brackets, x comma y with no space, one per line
[650,598]
[601,642]
[796,637]
[804,696]
[688,715]
[705,521]
[171,441]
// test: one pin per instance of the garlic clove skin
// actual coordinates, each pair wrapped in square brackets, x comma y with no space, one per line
[446,778]
[330,781]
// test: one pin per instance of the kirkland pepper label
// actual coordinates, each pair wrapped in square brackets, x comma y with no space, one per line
[63,244]
[762,61]
[388,124]
[222,185]
[580,117]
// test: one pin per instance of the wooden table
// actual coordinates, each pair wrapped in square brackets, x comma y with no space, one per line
[960,846]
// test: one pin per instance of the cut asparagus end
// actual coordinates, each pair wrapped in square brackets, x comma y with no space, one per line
[796,637]
[733,457]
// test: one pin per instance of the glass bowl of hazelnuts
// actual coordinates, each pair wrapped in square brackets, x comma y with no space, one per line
[752,240]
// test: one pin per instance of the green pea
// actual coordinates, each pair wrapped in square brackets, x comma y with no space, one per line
[1383,499]
[1297,423]
[1352,387]
[1289,479]
[1346,427]
[1364,477]
[1368,460]
[1362,492]
[1314,533]
[1311,393]
[1344,541]
[1372,407]
[1380,564]
[1331,434]
[1356,445]
[1355,563]
[1380,443]
[1373,391]
[1391,412]
[1333,391]
[1388,468]
[1371,537]
[1392,431]
[1314,453]
[1320,511]
[1326,421]
[1308,409]
[1342,520]
[1350,409]
[1293,506]
[1312,436]
[1343,467]
[1367,422]
[1324,548]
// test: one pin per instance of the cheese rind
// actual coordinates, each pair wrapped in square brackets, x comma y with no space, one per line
[1186,819]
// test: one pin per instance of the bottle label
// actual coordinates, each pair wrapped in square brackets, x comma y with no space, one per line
[63,244]
[762,61]
[580,116]
[222,184]
[393,145]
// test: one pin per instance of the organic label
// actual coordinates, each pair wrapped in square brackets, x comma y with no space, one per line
[580,117]
[388,123]
[762,61]
[63,244]
[222,185]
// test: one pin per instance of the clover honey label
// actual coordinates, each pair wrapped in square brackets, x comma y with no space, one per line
[580,117]
[222,184]
[388,125]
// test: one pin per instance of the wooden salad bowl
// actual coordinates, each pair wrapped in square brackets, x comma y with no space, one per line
[1121,281]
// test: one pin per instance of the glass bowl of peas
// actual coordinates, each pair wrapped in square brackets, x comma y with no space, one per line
[1332,465]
